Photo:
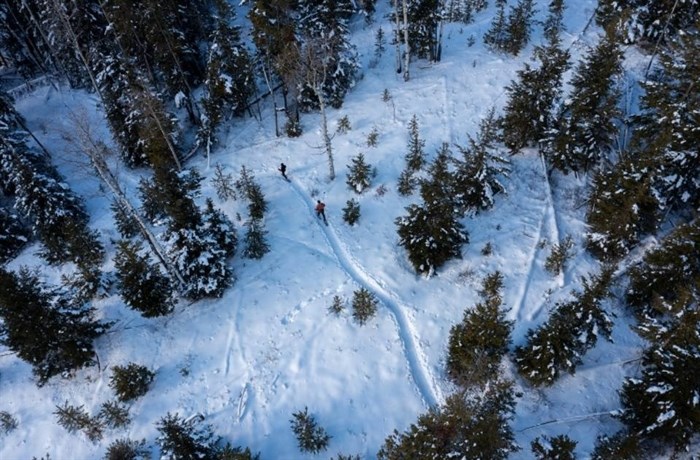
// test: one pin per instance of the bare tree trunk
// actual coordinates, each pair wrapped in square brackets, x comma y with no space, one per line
[398,36]
[406,75]
[266,75]
[324,131]
[96,153]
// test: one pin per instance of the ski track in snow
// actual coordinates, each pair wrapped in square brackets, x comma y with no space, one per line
[422,377]
[548,228]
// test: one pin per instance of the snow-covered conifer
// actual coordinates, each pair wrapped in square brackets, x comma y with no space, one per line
[45,328]
[359,174]
[141,283]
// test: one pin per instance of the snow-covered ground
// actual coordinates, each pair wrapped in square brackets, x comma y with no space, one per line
[269,347]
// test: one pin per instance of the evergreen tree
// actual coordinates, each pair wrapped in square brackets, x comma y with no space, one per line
[185,439]
[229,76]
[496,37]
[43,327]
[415,157]
[662,404]
[131,381]
[528,112]
[125,223]
[553,25]
[359,174]
[430,232]
[620,445]
[310,437]
[649,22]
[255,244]
[13,235]
[621,209]
[424,19]
[142,285]
[667,129]
[364,305]
[585,129]
[477,344]
[463,427]
[557,448]
[477,177]
[571,330]
[248,187]
[667,281]
[127,449]
[518,27]
[351,212]
[56,214]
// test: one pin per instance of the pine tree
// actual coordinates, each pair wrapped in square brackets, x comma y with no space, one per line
[351,211]
[496,37]
[415,157]
[13,235]
[649,22]
[310,437]
[229,76]
[666,281]
[424,19]
[556,448]
[464,426]
[255,244]
[477,178]
[571,330]
[621,209]
[518,27]
[477,344]
[529,110]
[553,25]
[662,403]
[667,128]
[142,285]
[359,174]
[585,129]
[364,306]
[248,187]
[185,438]
[131,381]
[324,30]
[430,232]
[44,328]
[127,449]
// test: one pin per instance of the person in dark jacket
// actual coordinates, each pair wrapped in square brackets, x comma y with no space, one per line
[283,170]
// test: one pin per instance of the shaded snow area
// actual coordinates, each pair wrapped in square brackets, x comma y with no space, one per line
[269,347]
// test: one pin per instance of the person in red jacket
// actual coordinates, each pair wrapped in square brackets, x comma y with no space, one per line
[321,210]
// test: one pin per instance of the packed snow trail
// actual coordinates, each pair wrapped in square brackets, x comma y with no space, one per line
[422,377]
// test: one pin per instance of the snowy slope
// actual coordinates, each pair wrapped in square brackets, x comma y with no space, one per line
[269,347]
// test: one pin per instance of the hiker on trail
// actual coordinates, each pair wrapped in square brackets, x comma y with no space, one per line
[283,170]
[321,210]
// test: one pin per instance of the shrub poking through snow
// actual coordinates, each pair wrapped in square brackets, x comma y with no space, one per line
[561,253]
[351,212]
[337,306]
[310,437]
[7,422]
[131,381]
[364,305]
[344,125]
